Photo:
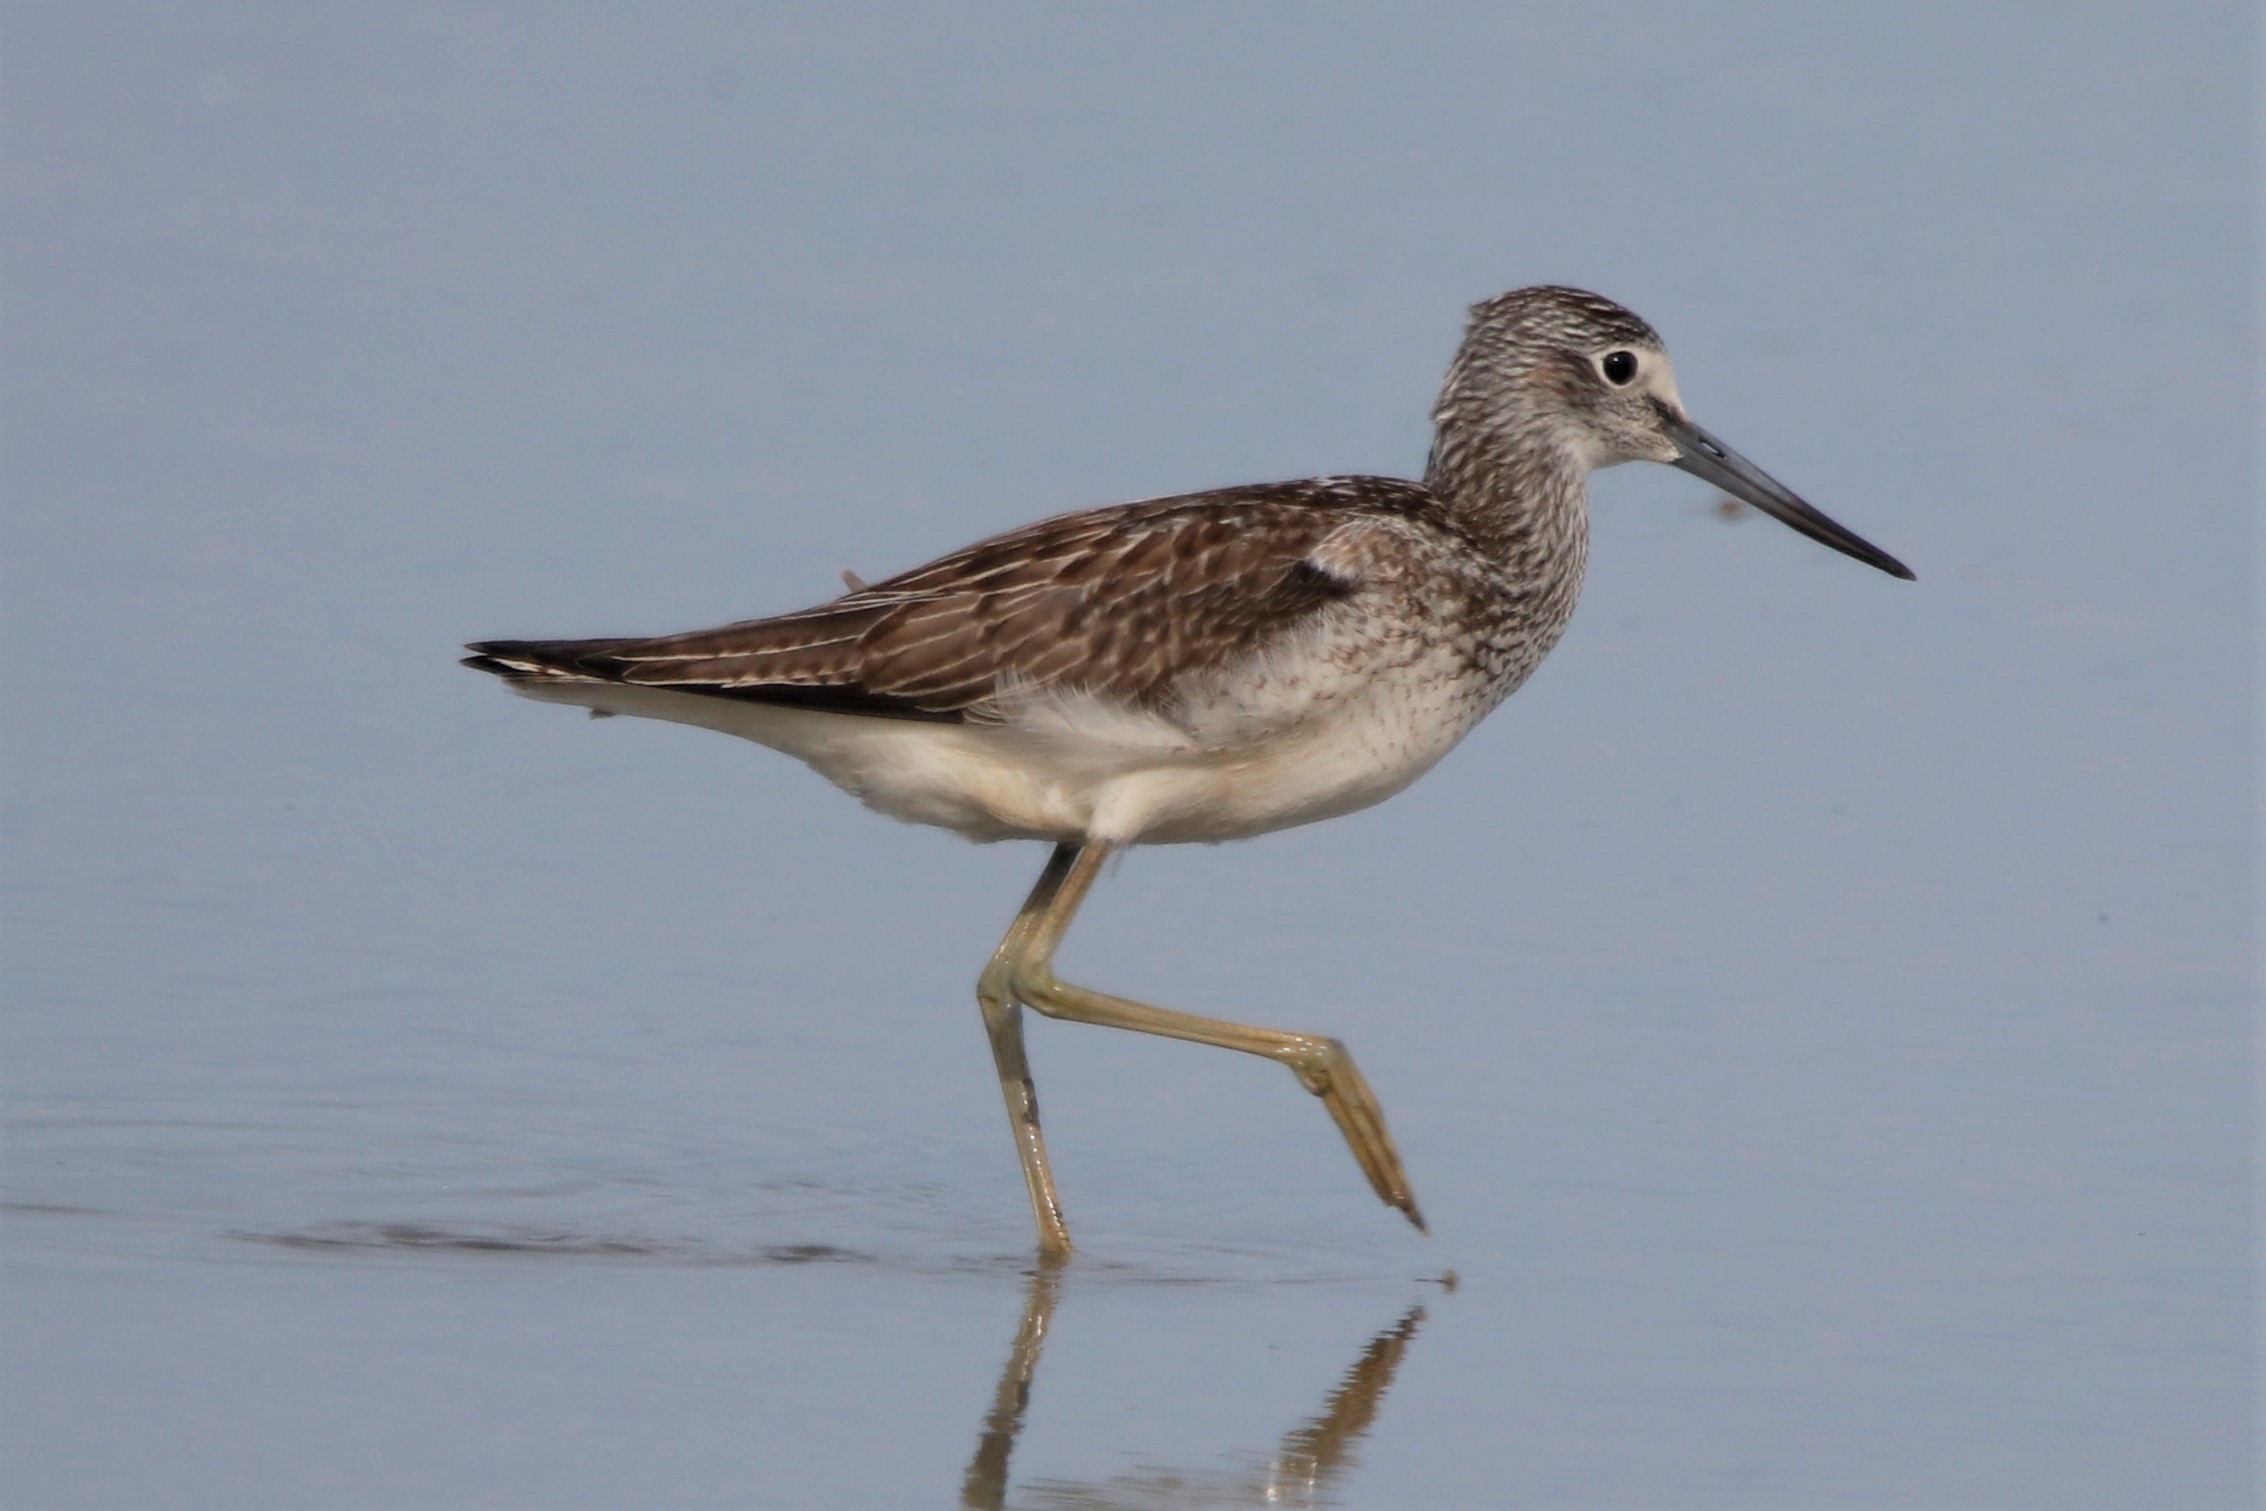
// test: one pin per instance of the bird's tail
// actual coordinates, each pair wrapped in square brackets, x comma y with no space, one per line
[547,660]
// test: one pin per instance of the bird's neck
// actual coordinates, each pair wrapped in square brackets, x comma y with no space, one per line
[1523,498]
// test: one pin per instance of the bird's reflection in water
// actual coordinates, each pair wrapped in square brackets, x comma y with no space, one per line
[1300,1472]
[985,1487]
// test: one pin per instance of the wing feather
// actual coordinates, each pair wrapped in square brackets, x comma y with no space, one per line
[1122,603]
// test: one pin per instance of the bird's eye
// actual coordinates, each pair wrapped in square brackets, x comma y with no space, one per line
[1619,367]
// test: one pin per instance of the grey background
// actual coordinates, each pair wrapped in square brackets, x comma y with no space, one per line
[1816,1011]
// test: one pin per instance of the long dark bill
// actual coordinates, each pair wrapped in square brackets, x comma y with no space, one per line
[1702,455]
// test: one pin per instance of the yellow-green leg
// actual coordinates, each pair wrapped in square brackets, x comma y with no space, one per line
[1023,971]
[1003,1021]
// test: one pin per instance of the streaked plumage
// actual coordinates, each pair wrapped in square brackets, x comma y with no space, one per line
[1203,667]
[1194,668]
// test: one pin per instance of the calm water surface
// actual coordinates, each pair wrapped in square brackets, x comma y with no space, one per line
[1817,1012]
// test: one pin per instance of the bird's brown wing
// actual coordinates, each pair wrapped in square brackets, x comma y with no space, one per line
[1121,602]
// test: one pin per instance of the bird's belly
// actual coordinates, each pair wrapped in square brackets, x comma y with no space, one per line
[1338,764]
[1237,766]
[1076,770]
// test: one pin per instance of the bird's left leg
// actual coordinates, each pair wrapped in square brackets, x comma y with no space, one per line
[1322,1065]
[1003,1023]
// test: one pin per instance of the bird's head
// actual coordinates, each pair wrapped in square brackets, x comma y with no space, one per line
[1557,372]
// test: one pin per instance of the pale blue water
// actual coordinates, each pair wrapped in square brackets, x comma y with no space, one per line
[1817,1012]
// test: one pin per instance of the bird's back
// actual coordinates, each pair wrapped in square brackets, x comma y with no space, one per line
[1124,602]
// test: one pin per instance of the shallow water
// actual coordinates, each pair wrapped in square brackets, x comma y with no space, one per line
[1816,1013]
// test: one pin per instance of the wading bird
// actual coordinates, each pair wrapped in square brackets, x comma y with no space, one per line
[1201,668]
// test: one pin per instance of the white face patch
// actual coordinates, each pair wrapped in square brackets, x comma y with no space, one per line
[1625,425]
[1656,375]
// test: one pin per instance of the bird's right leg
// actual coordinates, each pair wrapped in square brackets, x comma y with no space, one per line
[1003,1021]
